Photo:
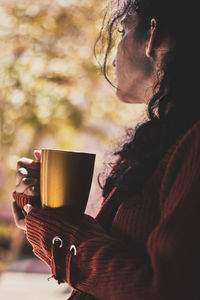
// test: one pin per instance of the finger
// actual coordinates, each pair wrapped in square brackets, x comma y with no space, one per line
[31,186]
[37,154]
[28,164]
[32,190]
[20,185]
[26,179]
[23,181]
[18,216]
[25,161]
[31,181]
[27,172]
[19,175]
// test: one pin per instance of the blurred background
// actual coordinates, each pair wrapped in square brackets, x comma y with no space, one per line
[52,95]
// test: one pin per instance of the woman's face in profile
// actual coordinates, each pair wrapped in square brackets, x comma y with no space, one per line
[134,70]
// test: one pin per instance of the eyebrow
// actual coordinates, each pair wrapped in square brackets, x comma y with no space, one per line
[124,20]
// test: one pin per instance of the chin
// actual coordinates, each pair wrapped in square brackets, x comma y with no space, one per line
[128,98]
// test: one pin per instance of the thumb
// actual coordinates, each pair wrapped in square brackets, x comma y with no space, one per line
[28,208]
[37,154]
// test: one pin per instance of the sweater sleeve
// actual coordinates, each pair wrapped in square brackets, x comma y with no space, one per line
[168,267]
[110,270]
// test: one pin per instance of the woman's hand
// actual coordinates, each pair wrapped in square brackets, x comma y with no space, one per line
[28,176]
[54,233]
[27,183]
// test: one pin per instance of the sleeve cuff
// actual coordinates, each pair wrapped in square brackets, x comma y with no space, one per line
[56,240]
[22,199]
[44,229]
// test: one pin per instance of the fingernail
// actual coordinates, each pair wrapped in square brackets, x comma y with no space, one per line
[28,208]
[23,171]
[25,160]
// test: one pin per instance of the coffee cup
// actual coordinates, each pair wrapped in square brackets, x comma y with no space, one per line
[65,178]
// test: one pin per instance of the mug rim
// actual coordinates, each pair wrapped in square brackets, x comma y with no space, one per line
[67,151]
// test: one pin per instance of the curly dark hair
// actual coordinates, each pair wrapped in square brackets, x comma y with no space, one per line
[175,105]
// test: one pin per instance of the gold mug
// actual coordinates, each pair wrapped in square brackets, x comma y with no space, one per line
[65,178]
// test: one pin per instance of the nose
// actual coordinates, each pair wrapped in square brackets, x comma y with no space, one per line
[114,62]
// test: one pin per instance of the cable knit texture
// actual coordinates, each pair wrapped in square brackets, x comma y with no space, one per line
[150,250]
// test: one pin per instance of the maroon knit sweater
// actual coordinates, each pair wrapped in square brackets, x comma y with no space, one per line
[149,251]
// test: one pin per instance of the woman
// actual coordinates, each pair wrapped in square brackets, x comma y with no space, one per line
[144,242]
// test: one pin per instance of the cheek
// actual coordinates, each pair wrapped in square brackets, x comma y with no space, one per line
[131,59]
[123,61]
[139,62]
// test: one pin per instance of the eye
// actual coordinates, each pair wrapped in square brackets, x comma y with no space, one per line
[122,31]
